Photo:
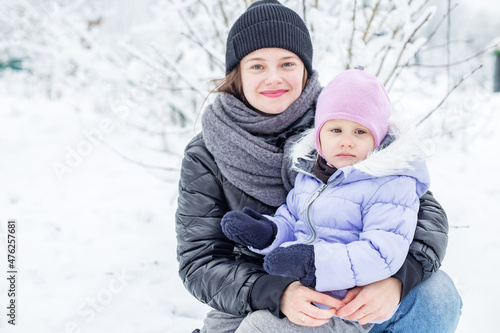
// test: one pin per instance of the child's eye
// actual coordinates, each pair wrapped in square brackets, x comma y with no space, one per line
[336,130]
[360,131]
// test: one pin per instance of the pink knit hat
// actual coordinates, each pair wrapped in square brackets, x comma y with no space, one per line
[358,96]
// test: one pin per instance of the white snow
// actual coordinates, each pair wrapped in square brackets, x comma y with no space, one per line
[96,246]
[96,251]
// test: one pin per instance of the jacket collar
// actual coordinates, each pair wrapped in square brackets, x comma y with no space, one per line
[399,153]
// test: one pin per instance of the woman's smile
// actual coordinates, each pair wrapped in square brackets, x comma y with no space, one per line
[274,93]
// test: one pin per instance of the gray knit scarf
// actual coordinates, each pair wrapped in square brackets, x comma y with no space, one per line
[233,134]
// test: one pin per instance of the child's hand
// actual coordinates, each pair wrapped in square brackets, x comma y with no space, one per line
[295,261]
[249,228]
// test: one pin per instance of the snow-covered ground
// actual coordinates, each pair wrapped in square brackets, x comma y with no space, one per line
[96,251]
[466,182]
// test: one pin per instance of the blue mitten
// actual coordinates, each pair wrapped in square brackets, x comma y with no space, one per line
[296,261]
[249,228]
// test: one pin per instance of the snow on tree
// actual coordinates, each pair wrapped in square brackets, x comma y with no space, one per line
[149,64]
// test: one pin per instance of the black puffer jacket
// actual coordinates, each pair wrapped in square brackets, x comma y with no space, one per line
[228,276]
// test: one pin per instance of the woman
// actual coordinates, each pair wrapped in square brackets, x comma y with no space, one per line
[240,159]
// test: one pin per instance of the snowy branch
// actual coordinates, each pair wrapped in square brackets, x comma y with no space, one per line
[448,94]
[487,49]
[408,40]
[144,165]
[349,51]
[193,36]
[374,12]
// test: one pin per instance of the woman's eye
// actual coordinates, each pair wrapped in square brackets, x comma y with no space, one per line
[257,67]
[288,64]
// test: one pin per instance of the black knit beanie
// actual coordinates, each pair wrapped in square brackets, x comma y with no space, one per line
[265,24]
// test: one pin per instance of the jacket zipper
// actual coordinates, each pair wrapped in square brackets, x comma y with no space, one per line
[310,224]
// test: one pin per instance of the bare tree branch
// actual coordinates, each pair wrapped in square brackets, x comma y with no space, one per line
[374,12]
[408,40]
[174,68]
[421,8]
[388,48]
[214,25]
[431,35]
[448,94]
[304,11]
[428,39]
[210,53]
[381,23]
[349,56]
[438,46]
[448,48]
[193,36]
[223,12]
[144,165]
[459,62]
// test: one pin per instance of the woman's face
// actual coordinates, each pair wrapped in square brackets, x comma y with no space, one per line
[272,79]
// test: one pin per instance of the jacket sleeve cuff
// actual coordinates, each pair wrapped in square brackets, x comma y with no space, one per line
[267,291]
[410,274]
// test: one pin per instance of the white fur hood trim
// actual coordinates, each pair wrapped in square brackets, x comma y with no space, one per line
[395,155]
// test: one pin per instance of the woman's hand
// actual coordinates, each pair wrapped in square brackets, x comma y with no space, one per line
[375,301]
[296,305]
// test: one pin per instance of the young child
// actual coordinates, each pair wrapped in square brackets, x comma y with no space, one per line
[352,214]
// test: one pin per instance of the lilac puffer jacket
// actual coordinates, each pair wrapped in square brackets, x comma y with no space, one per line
[361,222]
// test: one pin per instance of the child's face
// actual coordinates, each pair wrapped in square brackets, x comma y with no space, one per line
[272,79]
[345,142]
